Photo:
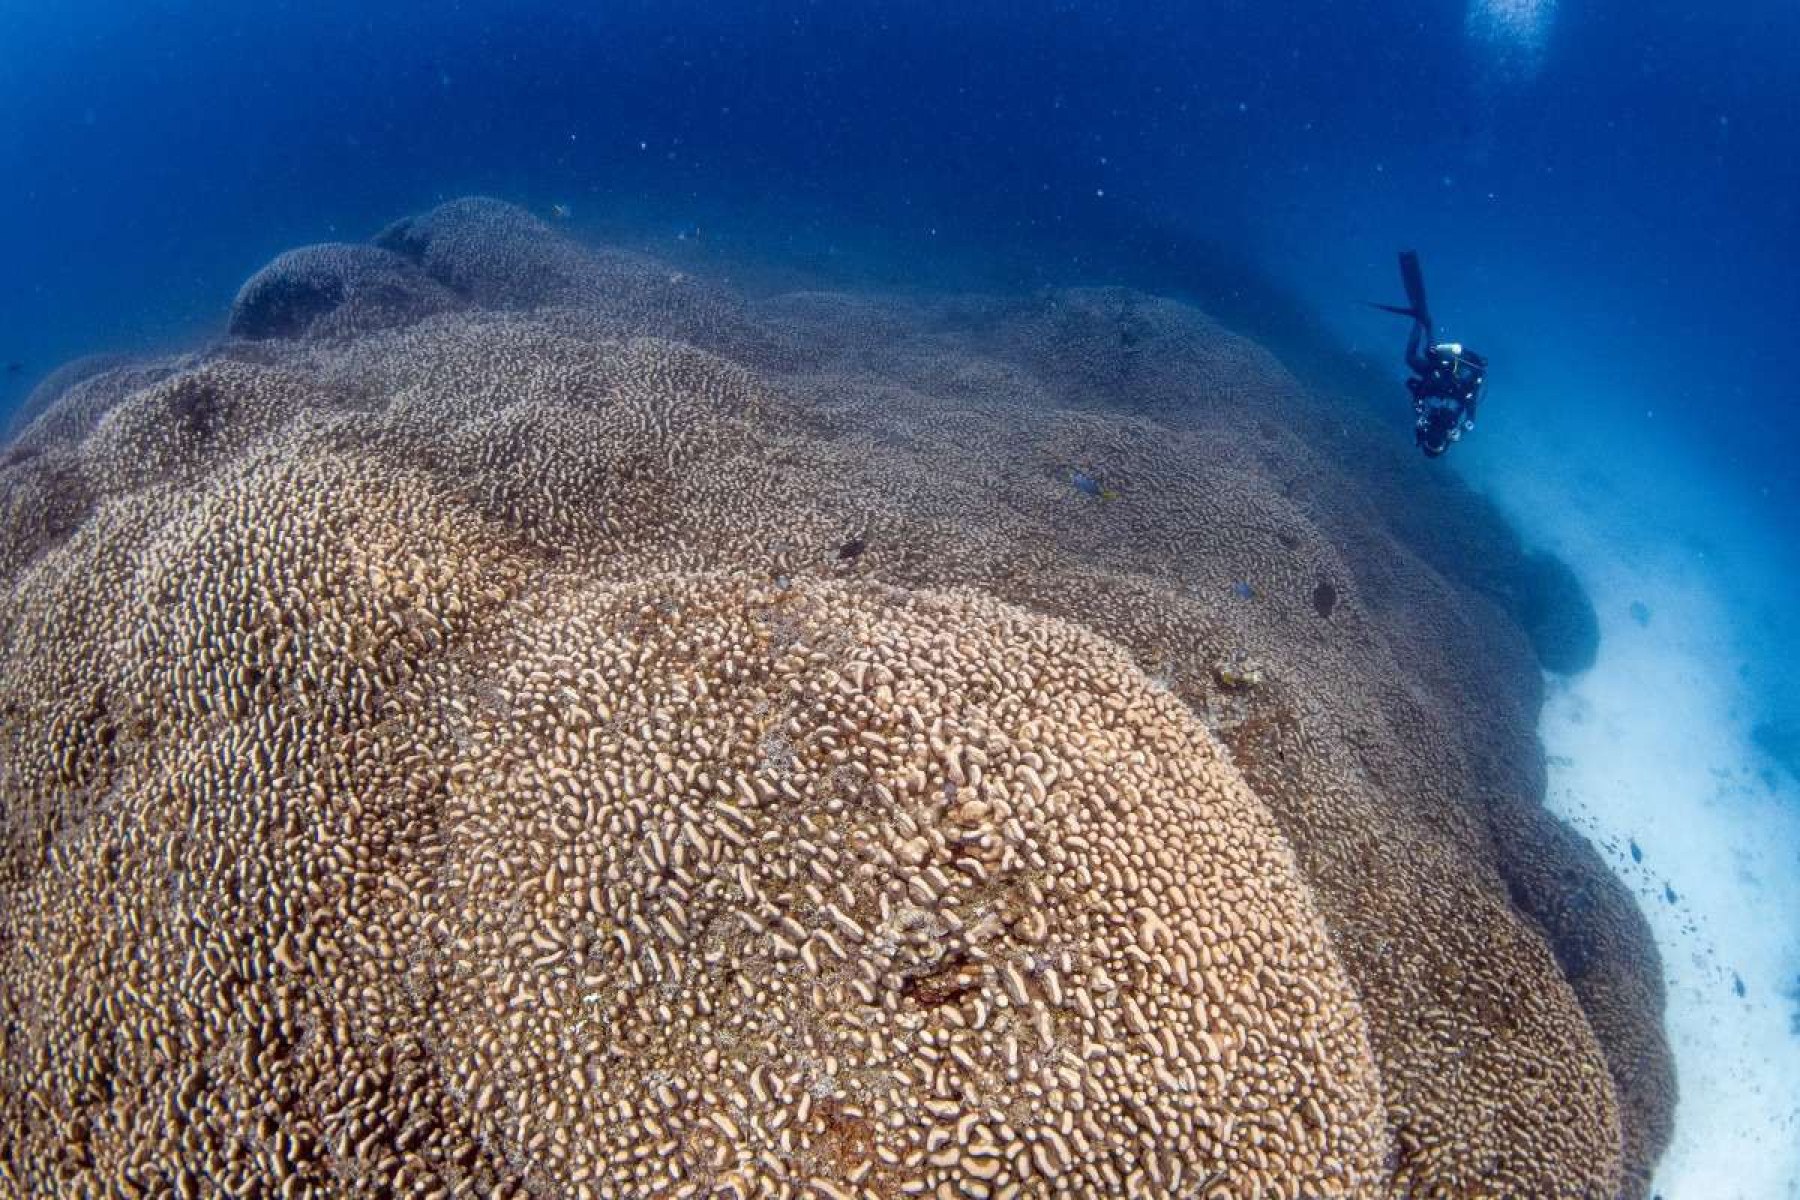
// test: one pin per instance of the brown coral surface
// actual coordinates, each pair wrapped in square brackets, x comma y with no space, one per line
[524,721]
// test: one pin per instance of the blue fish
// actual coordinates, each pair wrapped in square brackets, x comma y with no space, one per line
[1243,591]
[1087,485]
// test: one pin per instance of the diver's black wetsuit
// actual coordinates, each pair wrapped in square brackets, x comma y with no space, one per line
[1446,391]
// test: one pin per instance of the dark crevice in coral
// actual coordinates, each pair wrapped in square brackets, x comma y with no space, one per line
[198,408]
[405,239]
[285,308]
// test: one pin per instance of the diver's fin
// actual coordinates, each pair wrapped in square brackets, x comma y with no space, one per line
[1414,278]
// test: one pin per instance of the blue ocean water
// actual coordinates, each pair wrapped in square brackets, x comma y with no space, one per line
[1604,195]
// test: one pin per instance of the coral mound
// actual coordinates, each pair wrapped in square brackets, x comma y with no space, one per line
[335,290]
[891,890]
[563,729]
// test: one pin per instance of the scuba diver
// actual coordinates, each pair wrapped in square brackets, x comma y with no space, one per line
[1447,377]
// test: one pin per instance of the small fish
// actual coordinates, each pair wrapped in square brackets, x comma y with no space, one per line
[1637,852]
[1243,591]
[852,550]
[13,368]
[1737,984]
[1239,678]
[1087,485]
[561,212]
[1668,894]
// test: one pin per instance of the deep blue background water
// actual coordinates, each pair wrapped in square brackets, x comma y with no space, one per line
[1611,217]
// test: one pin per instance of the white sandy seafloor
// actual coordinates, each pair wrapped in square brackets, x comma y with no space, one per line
[1653,747]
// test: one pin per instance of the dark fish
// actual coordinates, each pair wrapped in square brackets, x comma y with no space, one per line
[1668,893]
[13,368]
[1637,853]
[1737,984]
[852,550]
